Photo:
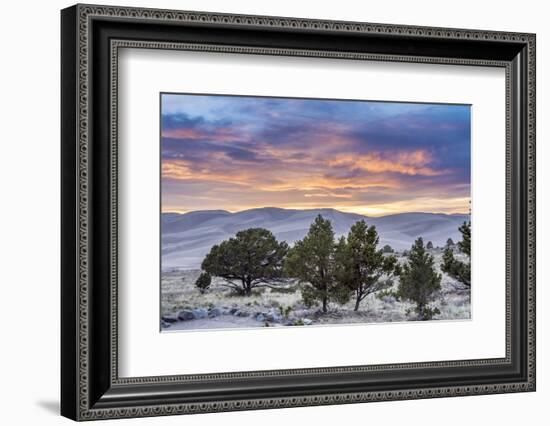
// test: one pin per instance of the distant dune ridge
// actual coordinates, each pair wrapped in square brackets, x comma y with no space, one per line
[188,237]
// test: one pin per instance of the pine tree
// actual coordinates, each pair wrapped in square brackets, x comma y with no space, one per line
[387,249]
[312,262]
[450,242]
[464,245]
[361,266]
[419,281]
[460,271]
[253,258]
[430,245]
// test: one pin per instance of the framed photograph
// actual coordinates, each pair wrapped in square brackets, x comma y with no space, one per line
[263,212]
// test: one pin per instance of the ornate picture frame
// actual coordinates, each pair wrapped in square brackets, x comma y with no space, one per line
[91,37]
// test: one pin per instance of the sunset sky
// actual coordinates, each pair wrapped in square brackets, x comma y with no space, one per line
[374,158]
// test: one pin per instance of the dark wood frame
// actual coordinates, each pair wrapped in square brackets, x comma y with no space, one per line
[91,37]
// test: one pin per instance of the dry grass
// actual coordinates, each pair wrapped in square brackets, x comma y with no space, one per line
[179,292]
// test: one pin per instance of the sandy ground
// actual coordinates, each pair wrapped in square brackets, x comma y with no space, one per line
[179,293]
[223,321]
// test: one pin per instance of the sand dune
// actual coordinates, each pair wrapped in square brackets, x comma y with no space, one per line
[187,238]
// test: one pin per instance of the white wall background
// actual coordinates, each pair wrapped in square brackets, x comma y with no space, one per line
[29,214]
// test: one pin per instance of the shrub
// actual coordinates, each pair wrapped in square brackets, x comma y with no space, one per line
[387,249]
[203,282]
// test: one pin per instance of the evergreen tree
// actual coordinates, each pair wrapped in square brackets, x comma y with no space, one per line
[253,258]
[387,249]
[361,266]
[460,271]
[203,282]
[450,242]
[419,281]
[430,245]
[464,245]
[312,262]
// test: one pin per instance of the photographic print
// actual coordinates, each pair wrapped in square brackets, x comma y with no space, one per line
[279,212]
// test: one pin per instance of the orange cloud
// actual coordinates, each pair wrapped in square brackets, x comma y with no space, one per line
[417,204]
[183,133]
[180,170]
[300,176]
[407,163]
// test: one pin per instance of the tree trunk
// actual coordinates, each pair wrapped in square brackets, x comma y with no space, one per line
[359,295]
[357,302]
[325,304]
[248,286]
[420,308]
